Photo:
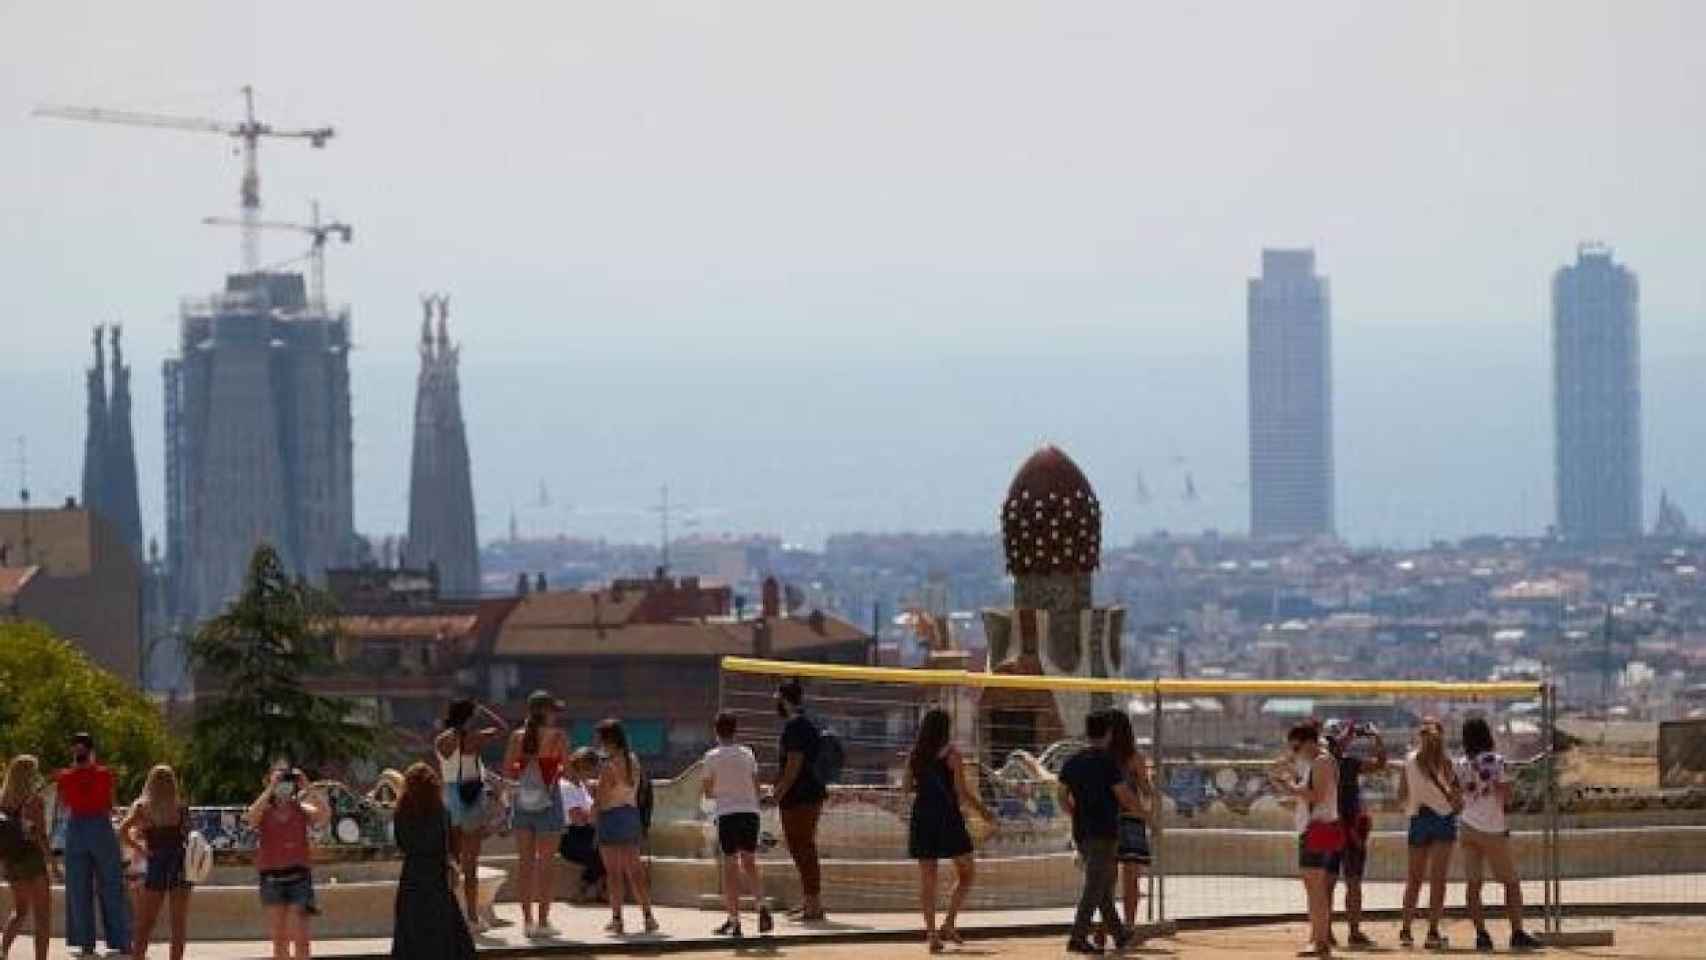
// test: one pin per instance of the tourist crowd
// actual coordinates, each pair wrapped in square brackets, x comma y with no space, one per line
[592,807]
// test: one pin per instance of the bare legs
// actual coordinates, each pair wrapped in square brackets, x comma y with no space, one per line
[623,868]
[467,844]
[735,867]
[965,871]
[536,876]
[1480,852]
[180,904]
[289,929]
[33,898]
[1131,881]
[1320,910]
[1430,863]
[927,902]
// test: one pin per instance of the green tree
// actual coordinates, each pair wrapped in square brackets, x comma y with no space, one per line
[49,690]
[252,659]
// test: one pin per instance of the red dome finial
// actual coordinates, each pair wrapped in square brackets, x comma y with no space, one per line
[1051,521]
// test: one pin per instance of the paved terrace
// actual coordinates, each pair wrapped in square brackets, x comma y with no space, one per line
[1188,898]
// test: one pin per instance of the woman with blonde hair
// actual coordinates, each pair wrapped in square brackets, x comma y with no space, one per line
[157,827]
[24,854]
[1429,792]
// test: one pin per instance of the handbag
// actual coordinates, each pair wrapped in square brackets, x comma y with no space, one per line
[1322,836]
[470,792]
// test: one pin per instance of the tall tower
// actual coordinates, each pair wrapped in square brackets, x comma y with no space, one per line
[1596,398]
[1291,398]
[258,443]
[124,505]
[95,430]
[441,490]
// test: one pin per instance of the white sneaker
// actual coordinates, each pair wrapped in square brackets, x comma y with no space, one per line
[528,930]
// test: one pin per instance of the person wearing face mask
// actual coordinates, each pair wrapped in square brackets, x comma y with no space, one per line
[94,873]
[282,815]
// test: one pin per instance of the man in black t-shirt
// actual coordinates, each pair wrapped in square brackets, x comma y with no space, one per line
[1092,789]
[799,795]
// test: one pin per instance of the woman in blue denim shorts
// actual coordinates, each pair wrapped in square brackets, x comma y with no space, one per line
[535,760]
[620,826]
[468,727]
[282,815]
[1430,794]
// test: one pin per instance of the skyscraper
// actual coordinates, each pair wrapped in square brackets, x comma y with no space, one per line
[258,444]
[109,452]
[441,493]
[1291,398]
[1596,398]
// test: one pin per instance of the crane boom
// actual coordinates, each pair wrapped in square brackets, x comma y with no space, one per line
[316,252]
[249,132]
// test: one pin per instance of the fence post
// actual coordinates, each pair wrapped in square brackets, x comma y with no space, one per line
[1549,833]
[1158,856]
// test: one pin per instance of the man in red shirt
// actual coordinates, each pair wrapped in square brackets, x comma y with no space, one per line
[92,868]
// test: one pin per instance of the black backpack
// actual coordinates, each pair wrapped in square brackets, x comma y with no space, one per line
[14,841]
[644,799]
[829,758]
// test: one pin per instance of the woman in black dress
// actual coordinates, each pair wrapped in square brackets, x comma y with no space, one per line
[428,925]
[935,775]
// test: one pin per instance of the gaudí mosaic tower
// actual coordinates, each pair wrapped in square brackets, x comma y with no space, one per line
[1051,526]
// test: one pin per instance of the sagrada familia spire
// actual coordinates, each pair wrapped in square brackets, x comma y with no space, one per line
[109,451]
[441,492]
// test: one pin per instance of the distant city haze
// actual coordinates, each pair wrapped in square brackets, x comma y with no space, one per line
[833,269]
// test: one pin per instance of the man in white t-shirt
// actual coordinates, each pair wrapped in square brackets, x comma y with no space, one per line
[731,782]
[1483,834]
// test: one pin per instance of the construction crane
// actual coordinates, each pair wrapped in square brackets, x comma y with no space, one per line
[249,131]
[317,231]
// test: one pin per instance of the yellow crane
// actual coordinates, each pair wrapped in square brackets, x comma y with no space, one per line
[249,131]
[317,232]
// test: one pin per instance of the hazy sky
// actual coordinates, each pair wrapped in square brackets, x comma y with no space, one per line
[826,267]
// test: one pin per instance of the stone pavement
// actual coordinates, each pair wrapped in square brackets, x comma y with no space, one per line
[1187,898]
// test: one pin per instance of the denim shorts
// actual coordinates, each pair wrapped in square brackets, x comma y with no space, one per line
[1134,841]
[463,814]
[288,888]
[1428,827]
[548,820]
[619,827]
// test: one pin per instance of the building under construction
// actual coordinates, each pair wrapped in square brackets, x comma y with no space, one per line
[258,444]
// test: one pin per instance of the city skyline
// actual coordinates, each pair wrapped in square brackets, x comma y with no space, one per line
[744,238]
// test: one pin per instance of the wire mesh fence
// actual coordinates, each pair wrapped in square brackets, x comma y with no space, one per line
[1225,842]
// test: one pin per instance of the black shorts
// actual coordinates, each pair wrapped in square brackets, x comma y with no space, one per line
[1309,859]
[737,833]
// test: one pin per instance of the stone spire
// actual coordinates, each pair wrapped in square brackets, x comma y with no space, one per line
[441,495]
[95,431]
[123,503]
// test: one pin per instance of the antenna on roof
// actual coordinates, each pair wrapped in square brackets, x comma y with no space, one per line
[24,492]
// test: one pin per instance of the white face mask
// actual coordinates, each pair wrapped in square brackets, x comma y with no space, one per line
[284,789]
